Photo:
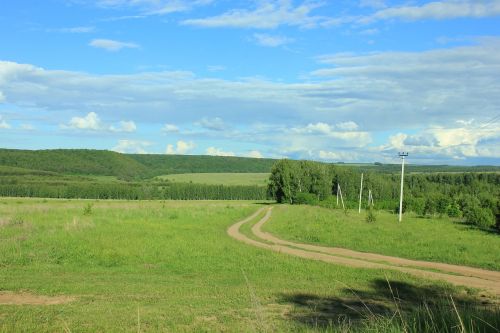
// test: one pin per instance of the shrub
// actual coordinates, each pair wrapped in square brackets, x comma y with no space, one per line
[482,217]
[306,199]
[87,210]
[453,210]
[370,216]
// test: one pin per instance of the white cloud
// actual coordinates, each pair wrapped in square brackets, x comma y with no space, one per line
[254,154]
[437,10]
[154,7]
[450,143]
[218,152]
[76,30]
[170,128]
[214,124]
[124,126]
[3,123]
[111,45]
[272,40]
[181,148]
[132,146]
[92,122]
[339,156]
[347,126]
[372,3]
[268,15]
[380,92]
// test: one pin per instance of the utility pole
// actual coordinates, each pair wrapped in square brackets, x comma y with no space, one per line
[402,156]
[360,193]
[338,188]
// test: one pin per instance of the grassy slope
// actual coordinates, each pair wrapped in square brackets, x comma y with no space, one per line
[417,238]
[220,178]
[74,161]
[172,267]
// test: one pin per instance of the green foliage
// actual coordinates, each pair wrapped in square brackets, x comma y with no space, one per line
[87,210]
[425,194]
[306,199]
[479,216]
[370,216]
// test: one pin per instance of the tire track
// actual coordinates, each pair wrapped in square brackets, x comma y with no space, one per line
[469,276]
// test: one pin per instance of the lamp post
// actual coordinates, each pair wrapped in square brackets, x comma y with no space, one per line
[402,156]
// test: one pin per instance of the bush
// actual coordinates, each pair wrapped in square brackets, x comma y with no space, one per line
[453,210]
[87,210]
[370,216]
[482,217]
[306,199]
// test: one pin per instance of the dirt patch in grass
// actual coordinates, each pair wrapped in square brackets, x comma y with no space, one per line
[24,298]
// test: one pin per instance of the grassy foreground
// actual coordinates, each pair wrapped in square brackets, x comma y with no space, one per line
[220,178]
[169,266]
[432,239]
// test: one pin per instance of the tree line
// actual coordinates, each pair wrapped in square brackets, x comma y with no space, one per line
[474,196]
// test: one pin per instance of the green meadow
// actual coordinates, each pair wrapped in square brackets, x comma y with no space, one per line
[150,266]
[227,179]
[433,238]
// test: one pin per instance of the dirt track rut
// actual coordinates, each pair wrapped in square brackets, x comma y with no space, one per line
[455,274]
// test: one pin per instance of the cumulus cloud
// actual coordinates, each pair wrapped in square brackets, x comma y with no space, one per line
[268,15]
[112,45]
[181,148]
[271,40]
[132,146]
[170,128]
[124,126]
[454,142]
[92,122]
[4,124]
[218,152]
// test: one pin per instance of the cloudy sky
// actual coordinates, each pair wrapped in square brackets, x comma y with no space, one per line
[352,81]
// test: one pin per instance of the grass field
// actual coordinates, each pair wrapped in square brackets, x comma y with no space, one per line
[433,239]
[148,266]
[220,178]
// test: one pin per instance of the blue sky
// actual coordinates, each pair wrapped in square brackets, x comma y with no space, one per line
[352,81]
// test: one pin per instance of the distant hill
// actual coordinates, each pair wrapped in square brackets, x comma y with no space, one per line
[142,166]
[127,166]
[174,164]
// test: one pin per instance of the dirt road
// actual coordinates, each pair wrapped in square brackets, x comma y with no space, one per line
[455,274]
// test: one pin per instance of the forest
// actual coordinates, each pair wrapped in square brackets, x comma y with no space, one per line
[473,196]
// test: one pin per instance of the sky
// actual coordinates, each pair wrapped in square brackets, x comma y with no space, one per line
[351,81]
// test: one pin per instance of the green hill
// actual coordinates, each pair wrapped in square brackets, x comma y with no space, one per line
[75,161]
[127,166]
[175,164]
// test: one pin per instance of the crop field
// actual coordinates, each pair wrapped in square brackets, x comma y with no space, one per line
[146,266]
[220,178]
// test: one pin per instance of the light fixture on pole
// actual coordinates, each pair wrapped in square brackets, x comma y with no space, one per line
[402,156]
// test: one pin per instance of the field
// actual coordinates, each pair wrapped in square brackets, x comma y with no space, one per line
[170,266]
[259,179]
[432,239]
